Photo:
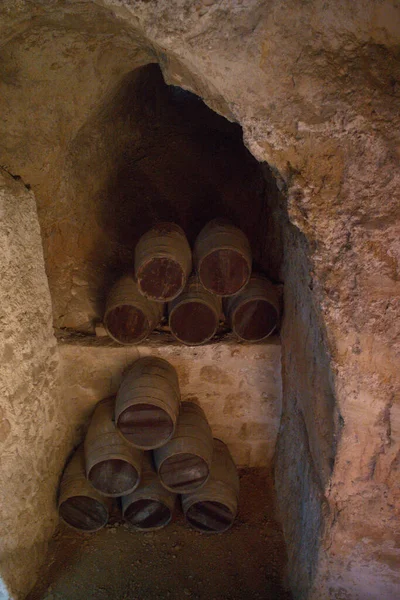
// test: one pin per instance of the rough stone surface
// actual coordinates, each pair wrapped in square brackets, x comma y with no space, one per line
[315,86]
[238,386]
[32,428]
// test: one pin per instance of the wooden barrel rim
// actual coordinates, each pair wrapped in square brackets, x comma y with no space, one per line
[193,301]
[180,273]
[130,438]
[77,505]
[218,249]
[241,305]
[178,489]
[145,327]
[96,469]
[163,261]
[165,513]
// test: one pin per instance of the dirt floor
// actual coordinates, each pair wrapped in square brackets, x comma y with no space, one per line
[119,563]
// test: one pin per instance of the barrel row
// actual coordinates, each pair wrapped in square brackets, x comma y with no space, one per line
[163,260]
[146,414]
[194,316]
[211,509]
[222,264]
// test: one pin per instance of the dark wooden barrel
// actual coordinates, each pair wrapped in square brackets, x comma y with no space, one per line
[253,314]
[79,505]
[194,315]
[222,257]
[150,506]
[113,466]
[213,508]
[163,262]
[183,464]
[130,317]
[147,405]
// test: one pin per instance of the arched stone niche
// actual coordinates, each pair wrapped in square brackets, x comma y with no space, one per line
[315,89]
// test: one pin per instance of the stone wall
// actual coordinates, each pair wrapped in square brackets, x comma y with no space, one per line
[33,430]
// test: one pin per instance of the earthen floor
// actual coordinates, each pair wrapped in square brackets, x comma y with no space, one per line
[119,563]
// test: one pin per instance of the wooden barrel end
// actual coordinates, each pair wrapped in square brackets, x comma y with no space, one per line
[254,313]
[161,279]
[163,261]
[130,317]
[193,323]
[183,473]
[224,271]
[127,324]
[145,426]
[148,514]
[113,477]
[255,320]
[83,513]
[213,508]
[209,516]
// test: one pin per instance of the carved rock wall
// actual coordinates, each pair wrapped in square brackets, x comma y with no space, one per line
[33,430]
[315,86]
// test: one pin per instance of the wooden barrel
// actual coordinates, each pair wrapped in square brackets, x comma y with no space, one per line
[183,464]
[254,313]
[213,508]
[150,506]
[147,405]
[194,315]
[163,262]
[222,257]
[129,317]
[113,466]
[79,505]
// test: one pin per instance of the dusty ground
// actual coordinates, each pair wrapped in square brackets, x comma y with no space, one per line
[247,562]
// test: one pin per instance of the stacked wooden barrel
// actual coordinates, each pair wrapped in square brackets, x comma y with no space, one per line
[181,457]
[221,287]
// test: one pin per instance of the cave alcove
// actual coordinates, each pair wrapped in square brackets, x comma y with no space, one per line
[150,153]
[314,89]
